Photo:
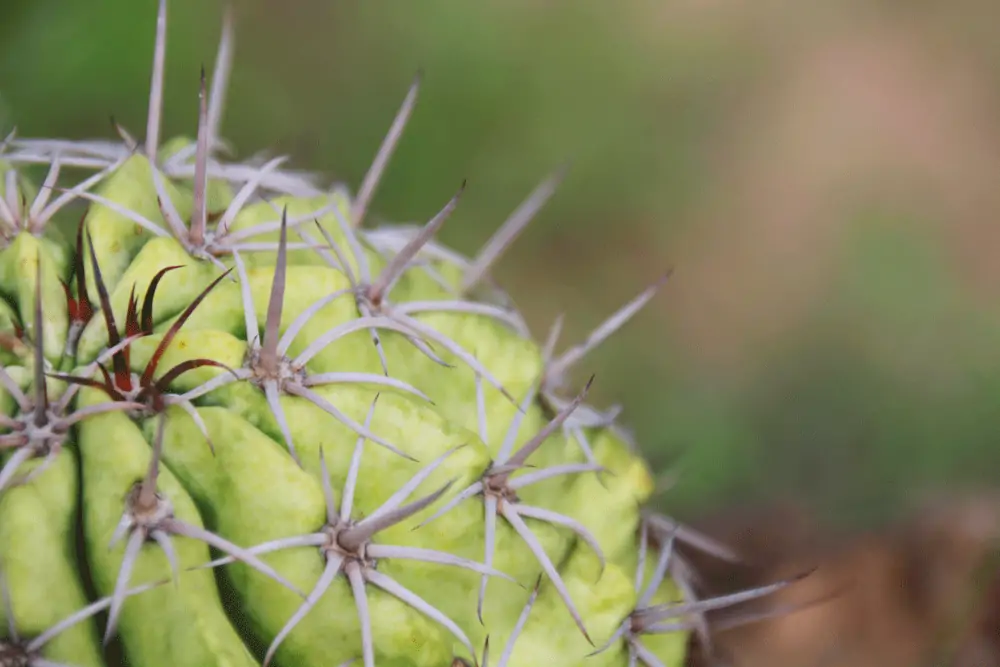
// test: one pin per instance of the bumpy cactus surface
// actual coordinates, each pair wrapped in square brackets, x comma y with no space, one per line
[241,428]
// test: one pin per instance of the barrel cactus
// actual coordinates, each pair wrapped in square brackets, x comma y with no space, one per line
[240,427]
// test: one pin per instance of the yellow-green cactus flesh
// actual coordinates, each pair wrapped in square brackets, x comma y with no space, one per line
[251,465]
[245,428]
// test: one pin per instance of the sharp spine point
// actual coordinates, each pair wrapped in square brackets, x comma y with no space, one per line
[374,176]
[155,111]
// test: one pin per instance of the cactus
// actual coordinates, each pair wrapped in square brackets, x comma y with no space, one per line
[241,428]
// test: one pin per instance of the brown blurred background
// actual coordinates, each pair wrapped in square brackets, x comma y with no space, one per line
[824,176]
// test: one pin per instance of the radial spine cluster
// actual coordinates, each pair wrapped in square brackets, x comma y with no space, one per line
[241,428]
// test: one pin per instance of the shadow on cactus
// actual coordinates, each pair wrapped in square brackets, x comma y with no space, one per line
[195,437]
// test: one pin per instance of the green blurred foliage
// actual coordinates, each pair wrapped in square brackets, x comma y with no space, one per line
[888,386]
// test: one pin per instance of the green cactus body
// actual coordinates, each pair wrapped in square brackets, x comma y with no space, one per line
[239,428]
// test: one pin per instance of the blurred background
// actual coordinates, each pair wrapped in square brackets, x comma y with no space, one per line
[824,177]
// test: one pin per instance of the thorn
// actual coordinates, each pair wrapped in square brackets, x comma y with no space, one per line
[147,492]
[486,652]
[328,407]
[191,531]
[331,503]
[529,448]
[269,351]
[428,332]
[119,362]
[395,268]
[146,325]
[132,549]
[147,374]
[130,143]
[330,571]
[659,613]
[350,484]
[617,320]
[8,470]
[168,210]
[14,194]
[156,84]
[36,223]
[244,194]
[517,523]
[41,393]
[391,586]
[549,348]
[355,536]
[220,76]
[85,309]
[6,141]
[508,232]
[374,176]
[8,607]
[746,618]
[357,581]
[270,387]
[199,210]
[518,626]
[131,315]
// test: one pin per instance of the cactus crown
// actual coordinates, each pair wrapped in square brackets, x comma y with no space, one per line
[180,249]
